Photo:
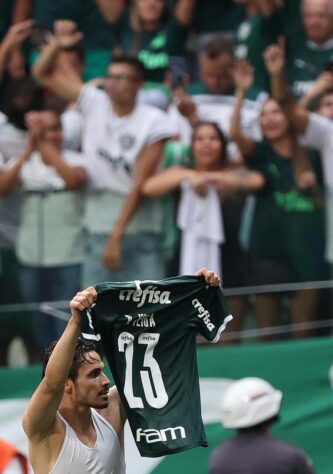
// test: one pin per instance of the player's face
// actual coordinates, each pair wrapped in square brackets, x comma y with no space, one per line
[207,148]
[122,83]
[317,18]
[216,73]
[326,106]
[272,120]
[91,386]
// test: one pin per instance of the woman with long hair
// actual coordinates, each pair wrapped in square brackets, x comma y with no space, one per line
[287,235]
[203,189]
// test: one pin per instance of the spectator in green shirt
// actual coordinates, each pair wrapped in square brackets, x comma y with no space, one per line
[147,29]
[310,53]
[287,238]
[263,23]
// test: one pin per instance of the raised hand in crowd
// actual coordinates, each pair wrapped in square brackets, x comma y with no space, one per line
[188,108]
[66,33]
[9,48]
[59,77]
[274,57]
[243,75]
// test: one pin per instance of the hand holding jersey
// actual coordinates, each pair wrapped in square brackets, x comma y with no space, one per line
[148,332]
[153,363]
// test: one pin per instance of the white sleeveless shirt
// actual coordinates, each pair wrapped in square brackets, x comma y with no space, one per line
[106,457]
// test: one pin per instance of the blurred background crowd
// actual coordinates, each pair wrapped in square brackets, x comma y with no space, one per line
[147,138]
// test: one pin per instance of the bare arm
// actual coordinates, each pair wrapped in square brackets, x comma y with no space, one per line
[40,415]
[167,181]
[13,38]
[323,82]
[9,179]
[243,76]
[111,9]
[275,62]
[236,180]
[22,11]
[146,165]
[73,176]
[184,11]
[63,82]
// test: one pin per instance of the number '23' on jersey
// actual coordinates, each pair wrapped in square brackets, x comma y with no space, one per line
[148,332]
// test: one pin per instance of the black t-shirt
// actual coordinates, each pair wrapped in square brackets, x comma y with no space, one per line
[258,453]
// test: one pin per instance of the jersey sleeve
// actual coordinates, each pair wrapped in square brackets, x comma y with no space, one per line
[318,131]
[211,313]
[89,98]
[160,127]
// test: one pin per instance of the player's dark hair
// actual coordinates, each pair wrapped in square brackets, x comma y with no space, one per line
[220,135]
[82,348]
[216,46]
[132,61]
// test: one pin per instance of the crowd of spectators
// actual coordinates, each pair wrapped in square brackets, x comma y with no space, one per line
[145,138]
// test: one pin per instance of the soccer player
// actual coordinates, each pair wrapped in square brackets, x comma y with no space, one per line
[74,421]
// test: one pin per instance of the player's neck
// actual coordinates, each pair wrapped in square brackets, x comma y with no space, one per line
[79,417]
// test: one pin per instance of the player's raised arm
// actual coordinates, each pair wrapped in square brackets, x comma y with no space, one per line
[40,415]
[210,277]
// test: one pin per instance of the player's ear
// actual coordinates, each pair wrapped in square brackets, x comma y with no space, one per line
[69,386]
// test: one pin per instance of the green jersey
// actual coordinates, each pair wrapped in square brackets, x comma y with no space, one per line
[148,332]
[252,38]
[305,61]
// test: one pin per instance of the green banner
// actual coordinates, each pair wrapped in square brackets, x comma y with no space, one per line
[302,370]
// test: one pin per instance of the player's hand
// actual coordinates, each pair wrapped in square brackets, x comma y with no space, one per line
[111,256]
[82,300]
[210,277]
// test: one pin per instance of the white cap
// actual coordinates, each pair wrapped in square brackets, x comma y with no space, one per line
[248,402]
